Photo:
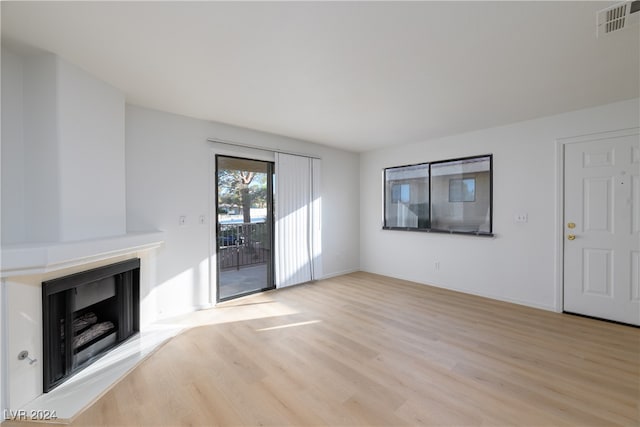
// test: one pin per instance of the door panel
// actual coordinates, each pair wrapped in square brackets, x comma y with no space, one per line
[602,228]
[244,226]
[598,209]
[597,272]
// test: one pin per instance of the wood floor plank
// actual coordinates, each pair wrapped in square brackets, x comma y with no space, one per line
[363,349]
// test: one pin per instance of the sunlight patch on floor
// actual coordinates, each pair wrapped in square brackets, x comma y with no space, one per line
[289,325]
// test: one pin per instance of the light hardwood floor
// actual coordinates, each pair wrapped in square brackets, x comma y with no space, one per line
[363,349]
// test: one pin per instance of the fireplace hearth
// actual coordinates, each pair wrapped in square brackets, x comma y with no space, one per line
[85,315]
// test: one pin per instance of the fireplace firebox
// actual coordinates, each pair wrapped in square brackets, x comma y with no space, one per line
[85,315]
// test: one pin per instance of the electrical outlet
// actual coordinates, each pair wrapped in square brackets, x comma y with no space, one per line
[437,265]
[521,218]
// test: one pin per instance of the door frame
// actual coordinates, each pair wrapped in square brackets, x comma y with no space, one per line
[223,150]
[559,232]
[213,233]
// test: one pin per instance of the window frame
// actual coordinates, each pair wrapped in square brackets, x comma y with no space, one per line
[435,230]
[384,196]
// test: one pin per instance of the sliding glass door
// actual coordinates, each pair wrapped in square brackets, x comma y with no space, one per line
[244,226]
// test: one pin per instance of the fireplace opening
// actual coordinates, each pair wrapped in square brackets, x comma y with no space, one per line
[95,320]
[87,314]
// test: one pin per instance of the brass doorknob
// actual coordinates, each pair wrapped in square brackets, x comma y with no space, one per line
[571,237]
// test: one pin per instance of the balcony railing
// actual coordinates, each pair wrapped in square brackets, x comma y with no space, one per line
[243,244]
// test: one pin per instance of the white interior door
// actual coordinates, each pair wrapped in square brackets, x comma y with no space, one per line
[602,228]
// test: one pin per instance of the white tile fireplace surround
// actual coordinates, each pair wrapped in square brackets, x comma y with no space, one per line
[24,267]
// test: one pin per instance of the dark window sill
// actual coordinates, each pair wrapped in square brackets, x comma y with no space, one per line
[433,230]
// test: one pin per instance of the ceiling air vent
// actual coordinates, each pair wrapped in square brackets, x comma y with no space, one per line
[618,17]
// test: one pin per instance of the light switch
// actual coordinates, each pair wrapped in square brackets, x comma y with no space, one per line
[182,220]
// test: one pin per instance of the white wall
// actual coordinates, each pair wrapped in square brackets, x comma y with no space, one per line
[517,265]
[40,163]
[169,174]
[4,351]
[12,178]
[90,116]
[63,166]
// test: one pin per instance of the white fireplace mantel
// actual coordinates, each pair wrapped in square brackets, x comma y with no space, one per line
[37,258]
[23,268]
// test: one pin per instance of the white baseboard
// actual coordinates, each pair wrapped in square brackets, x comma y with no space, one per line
[339,273]
[476,293]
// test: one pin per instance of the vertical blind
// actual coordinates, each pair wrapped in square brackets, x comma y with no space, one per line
[298,242]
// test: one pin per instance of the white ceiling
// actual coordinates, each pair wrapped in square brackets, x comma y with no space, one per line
[355,75]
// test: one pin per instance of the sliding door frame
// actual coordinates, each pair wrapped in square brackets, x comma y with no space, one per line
[270,219]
